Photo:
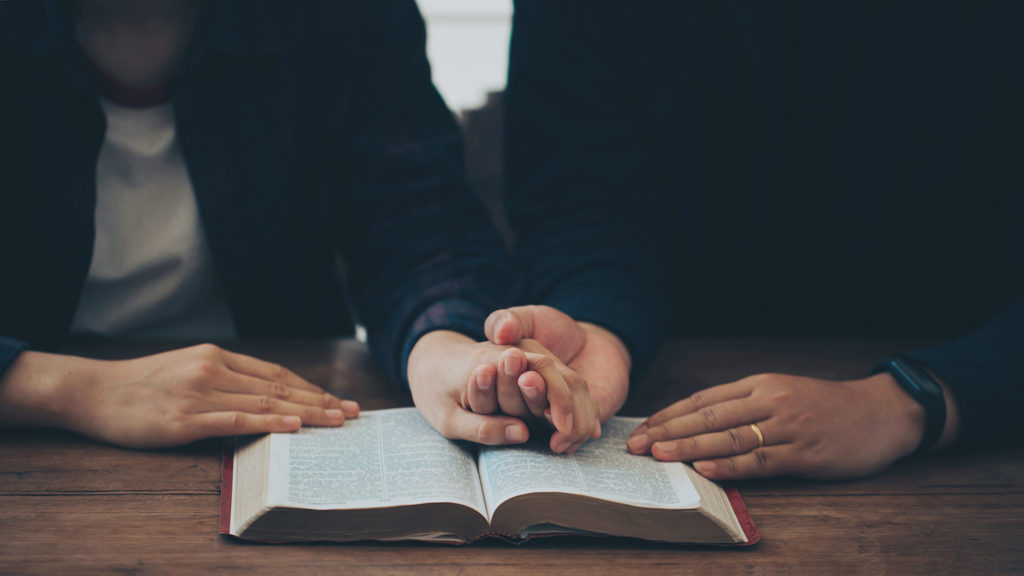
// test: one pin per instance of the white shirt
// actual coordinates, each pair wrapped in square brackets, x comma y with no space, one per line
[151,274]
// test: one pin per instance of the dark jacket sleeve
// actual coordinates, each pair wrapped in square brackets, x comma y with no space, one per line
[9,350]
[583,198]
[422,252]
[986,373]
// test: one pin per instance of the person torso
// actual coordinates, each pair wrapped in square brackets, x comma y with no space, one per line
[856,164]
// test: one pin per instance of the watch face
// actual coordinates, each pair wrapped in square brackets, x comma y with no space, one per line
[917,376]
[916,380]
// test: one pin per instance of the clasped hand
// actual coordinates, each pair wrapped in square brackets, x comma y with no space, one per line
[539,369]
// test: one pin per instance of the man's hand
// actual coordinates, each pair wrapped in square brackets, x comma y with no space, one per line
[592,358]
[812,428]
[166,399]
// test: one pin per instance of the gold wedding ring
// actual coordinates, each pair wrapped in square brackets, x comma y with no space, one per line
[757,432]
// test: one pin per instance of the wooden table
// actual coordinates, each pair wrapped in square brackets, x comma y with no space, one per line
[71,506]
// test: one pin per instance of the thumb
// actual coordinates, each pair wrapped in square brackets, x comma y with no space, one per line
[510,325]
[554,329]
[485,429]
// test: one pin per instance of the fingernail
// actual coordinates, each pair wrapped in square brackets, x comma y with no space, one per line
[484,383]
[705,468]
[561,448]
[334,414]
[499,321]
[568,421]
[350,408]
[292,421]
[638,443]
[664,447]
[530,391]
[515,434]
[513,364]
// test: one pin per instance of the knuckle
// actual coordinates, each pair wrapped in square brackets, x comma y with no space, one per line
[480,434]
[782,397]
[279,372]
[761,461]
[264,403]
[698,401]
[689,446]
[327,400]
[208,350]
[803,420]
[574,381]
[710,417]
[482,354]
[235,422]
[543,363]
[203,370]
[736,439]
[730,466]
[189,400]
[279,390]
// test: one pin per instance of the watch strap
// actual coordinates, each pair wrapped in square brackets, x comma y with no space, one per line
[923,388]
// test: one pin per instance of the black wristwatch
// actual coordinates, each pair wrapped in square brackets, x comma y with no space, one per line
[913,378]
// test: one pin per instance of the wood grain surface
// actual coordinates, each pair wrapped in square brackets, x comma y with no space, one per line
[72,506]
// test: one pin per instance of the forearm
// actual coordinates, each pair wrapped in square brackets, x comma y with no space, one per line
[39,389]
[422,252]
[583,196]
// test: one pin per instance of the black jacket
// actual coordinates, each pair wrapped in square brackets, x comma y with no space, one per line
[309,129]
[780,168]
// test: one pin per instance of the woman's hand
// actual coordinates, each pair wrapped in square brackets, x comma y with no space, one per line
[809,427]
[165,399]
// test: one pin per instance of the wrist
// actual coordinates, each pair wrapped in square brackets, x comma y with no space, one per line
[902,413]
[44,390]
[432,346]
[612,388]
[951,431]
[613,342]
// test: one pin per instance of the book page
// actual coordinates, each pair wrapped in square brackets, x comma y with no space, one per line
[381,459]
[601,468]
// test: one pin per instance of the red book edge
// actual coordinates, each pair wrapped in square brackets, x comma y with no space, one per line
[227,476]
[746,522]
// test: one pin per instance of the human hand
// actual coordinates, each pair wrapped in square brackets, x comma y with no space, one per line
[439,367]
[167,399]
[540,388]
[809,427]
[587,351]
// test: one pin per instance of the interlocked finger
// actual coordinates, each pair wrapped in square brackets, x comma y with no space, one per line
[510,398]
[481,395]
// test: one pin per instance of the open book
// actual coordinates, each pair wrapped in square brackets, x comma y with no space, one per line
[388,475]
